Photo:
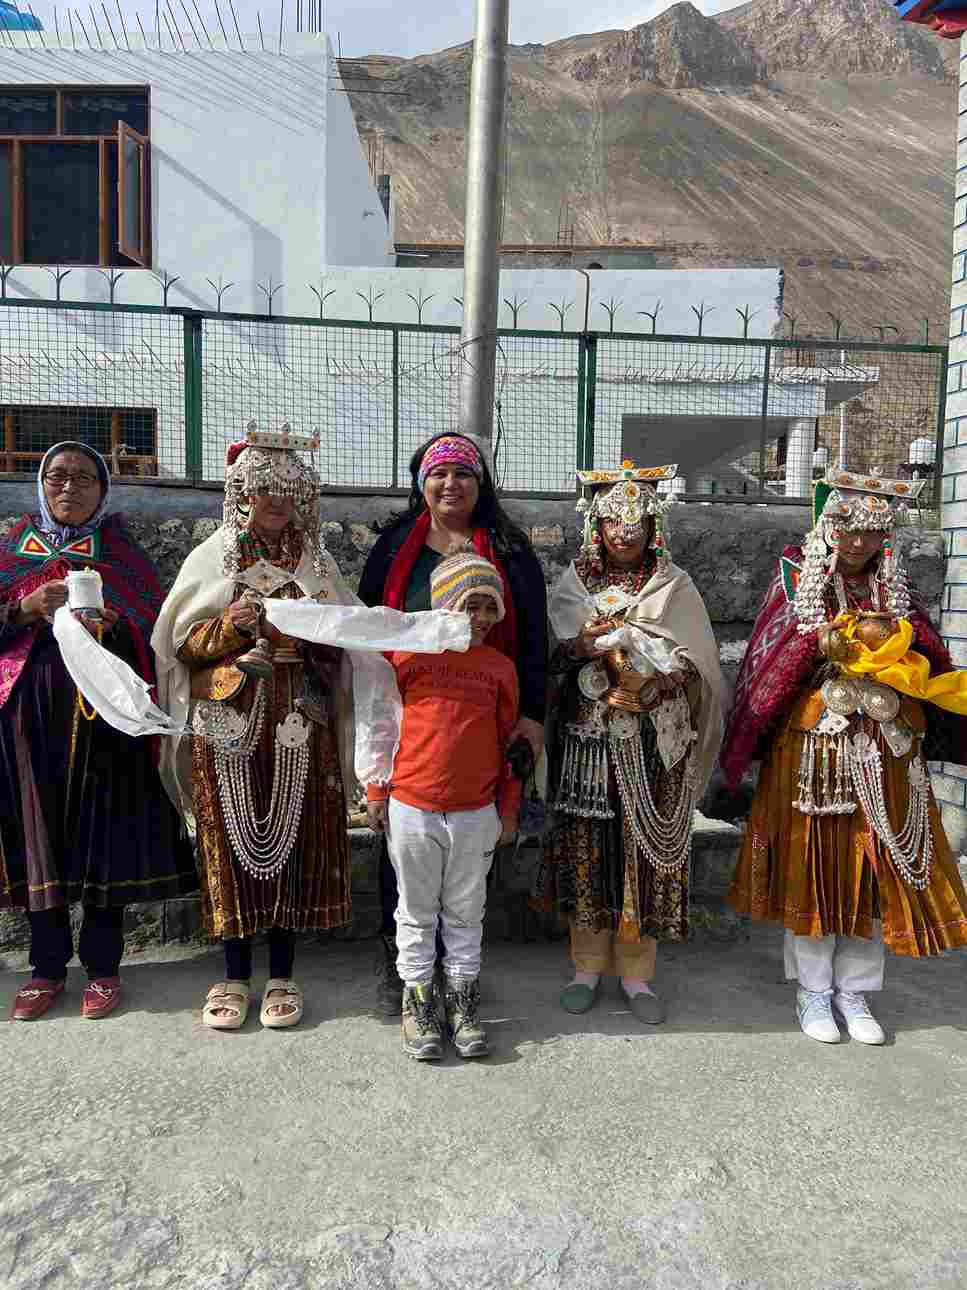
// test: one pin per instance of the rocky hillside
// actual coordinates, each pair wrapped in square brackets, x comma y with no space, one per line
[816,133]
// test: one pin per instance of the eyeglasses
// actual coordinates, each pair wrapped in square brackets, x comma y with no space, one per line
[61,478]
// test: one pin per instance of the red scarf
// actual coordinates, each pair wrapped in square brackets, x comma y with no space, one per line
[503,635]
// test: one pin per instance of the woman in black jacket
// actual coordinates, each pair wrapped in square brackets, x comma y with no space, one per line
[453,503]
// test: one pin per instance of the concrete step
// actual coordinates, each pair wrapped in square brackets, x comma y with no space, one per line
[714,849]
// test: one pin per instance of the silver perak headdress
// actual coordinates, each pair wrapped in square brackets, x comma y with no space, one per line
[267,462]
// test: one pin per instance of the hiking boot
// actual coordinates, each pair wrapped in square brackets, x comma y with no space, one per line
[461,1000]
[389,987]
[422,1031]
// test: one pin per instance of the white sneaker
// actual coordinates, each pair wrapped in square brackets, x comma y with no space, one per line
[860,1022]
[816,1016]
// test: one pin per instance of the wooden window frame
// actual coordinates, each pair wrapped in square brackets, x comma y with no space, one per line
[142,257]
[139,250]
[13,458]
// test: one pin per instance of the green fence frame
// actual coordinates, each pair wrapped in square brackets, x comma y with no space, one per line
[587,349]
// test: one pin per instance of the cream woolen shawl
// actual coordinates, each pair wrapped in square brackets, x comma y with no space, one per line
[669,607]
[202,590]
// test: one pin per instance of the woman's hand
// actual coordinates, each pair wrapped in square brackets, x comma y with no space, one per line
[43,602]
[531,730]
[584,645]
[107,622]
[376,816]
[244,615]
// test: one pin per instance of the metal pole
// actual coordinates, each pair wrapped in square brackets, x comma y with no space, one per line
[843,462]
[481,260]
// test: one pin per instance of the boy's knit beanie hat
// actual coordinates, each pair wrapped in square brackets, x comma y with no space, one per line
[463,575]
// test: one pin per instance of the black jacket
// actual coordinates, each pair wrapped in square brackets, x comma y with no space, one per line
[527,587]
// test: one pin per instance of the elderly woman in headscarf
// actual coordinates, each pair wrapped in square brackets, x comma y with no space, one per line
[263,778]
[638,718]
[452,504]
[844,687]
[83,816]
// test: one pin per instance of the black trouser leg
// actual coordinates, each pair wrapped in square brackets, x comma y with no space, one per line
[238,955]
[238,958]
[51,947]
[281,952]
[101,941]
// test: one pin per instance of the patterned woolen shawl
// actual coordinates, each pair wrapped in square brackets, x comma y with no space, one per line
[779,662]
[130,586]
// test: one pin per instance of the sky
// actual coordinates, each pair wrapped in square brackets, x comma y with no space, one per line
[409,27]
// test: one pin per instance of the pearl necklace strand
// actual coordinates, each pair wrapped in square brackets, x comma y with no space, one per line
[911,850]
[664,841]
[263,844]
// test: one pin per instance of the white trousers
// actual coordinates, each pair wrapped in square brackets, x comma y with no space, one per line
[849,963]
[441,860]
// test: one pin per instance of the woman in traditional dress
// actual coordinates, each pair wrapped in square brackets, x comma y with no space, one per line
[453,502]
[844,845]
[638,713]
[83,816]
[265,782]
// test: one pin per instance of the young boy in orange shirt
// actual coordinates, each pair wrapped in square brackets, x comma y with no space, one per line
[451,800]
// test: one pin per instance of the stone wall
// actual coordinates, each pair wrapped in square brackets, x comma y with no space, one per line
[730,551]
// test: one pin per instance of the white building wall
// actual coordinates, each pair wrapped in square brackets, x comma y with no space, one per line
[339,379]
[362,234]
[950,781]
[239,144]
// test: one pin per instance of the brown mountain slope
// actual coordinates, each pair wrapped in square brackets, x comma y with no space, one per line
[819,134]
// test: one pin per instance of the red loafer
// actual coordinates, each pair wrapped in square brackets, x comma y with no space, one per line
[101,997]
[35,998]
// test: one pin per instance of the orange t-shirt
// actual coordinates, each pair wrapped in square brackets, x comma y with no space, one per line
[458,712]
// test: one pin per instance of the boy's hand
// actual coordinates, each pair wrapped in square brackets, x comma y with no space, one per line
[508,833]
[376,816]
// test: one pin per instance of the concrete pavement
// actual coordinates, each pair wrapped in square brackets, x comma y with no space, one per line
[722,1150]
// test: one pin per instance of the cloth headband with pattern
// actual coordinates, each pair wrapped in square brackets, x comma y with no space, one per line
[451,450]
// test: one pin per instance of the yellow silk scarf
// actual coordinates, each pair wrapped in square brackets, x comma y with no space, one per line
[903,669]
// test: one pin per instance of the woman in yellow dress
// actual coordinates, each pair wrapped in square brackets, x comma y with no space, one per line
[844,693]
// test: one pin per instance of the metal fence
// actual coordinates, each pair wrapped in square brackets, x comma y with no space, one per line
[161,392]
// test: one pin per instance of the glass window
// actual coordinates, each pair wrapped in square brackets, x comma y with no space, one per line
[99,111]
[6,207]
[28,112]
[61,203]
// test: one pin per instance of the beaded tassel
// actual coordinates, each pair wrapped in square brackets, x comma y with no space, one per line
[824,778]
[583,787]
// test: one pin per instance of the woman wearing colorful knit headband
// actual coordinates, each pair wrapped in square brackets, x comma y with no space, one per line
[844,686]
[452,502]
[638,717]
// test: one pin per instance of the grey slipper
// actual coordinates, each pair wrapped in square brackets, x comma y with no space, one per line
[579,998]
[645,1007]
